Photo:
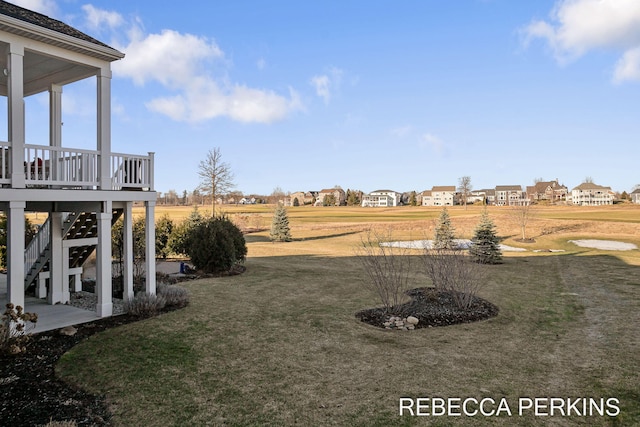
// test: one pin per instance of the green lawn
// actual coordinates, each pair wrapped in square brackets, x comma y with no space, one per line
[279,345]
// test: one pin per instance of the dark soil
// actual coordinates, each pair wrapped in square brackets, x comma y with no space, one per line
[30,392]
[432,308]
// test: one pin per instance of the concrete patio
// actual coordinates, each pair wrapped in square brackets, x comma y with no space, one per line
[49,316]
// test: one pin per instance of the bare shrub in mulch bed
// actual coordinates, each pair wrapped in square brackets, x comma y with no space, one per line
[432,308]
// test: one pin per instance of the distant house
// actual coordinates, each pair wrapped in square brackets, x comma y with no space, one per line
[509,195]
[479,196]
[247,201]
[590,194]
[303,198]
[547,190]
[489,195]
[444,195]
[635,196]
[340,197]
[381,198]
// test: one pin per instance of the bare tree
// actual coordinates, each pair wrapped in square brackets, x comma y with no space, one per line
[215,175]
[171,197]
[522,215]
[277,196]
[464,187]
[454,271]
[386,268]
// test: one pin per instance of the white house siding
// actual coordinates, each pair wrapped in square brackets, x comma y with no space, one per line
[381,198]
[590,194]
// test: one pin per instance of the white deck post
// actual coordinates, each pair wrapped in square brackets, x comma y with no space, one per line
[103,263]
[127,274]
[55,124]
[150,247]
[66,294]
[15,61]
[104,127]
[151,169]
[56,276]
[15,253]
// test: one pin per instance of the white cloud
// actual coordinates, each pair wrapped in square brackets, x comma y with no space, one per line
[96,18]
[402,131]
[628,67]
[46,7]
[170,58]
[184,65]
[578,26]
[433,142]
[321,84]
[326,85]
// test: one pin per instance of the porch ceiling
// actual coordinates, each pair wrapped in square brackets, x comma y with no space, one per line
[41,71]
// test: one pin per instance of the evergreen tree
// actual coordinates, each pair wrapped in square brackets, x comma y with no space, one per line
[485,248]
[444,238]
[352,198]
[280,231]
[413,199]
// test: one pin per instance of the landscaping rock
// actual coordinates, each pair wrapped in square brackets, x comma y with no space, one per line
[68,331]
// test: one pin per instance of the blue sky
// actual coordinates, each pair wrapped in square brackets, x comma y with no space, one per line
[305,95]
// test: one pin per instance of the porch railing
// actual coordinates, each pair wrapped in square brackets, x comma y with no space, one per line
[131,172]
[5,159]
[61,167]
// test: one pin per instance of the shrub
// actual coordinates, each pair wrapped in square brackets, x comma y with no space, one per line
[164,228]
[139,244]
[453,271]
[215,245]
[174,296]
[30,231]
[14,323]
[145,305]
[178,242]
[386,268]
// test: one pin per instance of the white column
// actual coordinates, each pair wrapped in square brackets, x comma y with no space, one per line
[127,273]
[103,263]
[15,61]
[15,253]
[56,275]
[66,295]
[55,115]
[150,247]
[55,124]
[104,127]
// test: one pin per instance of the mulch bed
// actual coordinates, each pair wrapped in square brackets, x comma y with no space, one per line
[432,308]
[30,393]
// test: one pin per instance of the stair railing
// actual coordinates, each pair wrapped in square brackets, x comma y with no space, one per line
[37,246]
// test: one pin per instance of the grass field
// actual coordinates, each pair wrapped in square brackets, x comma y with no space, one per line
[279,344]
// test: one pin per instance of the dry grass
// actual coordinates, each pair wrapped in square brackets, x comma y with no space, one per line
[279,345]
